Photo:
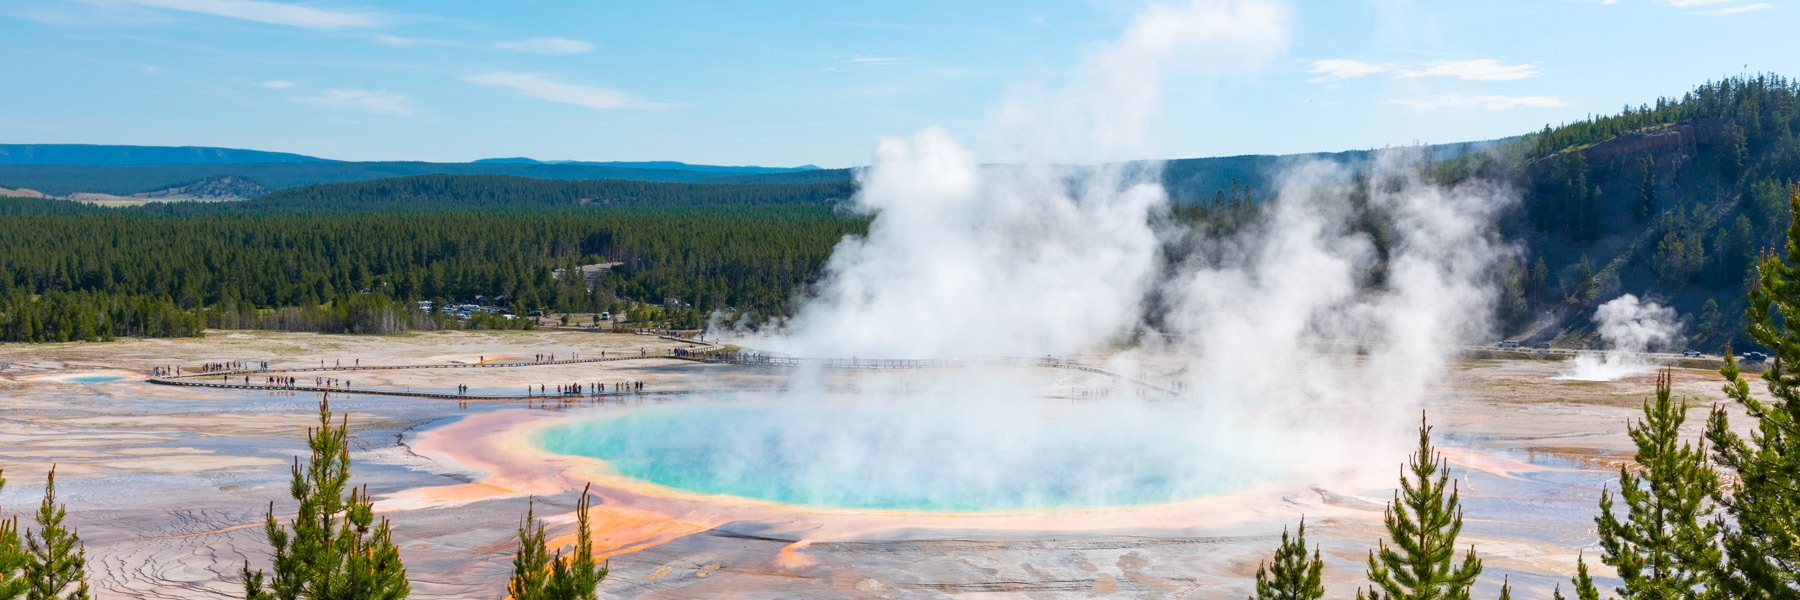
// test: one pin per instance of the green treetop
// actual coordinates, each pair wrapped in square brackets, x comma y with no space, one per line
[1763,547]
[13,558]
[1664,547]
[1422,523]
[335,548]
[57,565]
[1584,583]
[1291,575]
[537,575]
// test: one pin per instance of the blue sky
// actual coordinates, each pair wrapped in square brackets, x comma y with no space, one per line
[787,83]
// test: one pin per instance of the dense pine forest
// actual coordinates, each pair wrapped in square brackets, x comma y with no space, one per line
[95,274]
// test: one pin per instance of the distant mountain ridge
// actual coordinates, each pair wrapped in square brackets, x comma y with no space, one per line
[126,180]
[667,165]
[104,155]
[198,172]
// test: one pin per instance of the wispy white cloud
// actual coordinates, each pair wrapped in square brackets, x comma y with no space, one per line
[1338,69]
[1487,102]
[543,88]
[277,84]
[412,42]
[874,61]
[546,45]
[275,13]
[1732,10]
[373,101]
[1480,69]
[1692,3]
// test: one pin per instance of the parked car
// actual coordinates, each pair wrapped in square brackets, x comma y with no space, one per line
[1691,353]
[1509,345]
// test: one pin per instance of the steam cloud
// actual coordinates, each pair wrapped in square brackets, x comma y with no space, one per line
[1291,339]
[1629,327]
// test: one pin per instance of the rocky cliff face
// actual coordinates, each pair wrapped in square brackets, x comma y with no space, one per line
[1674,146]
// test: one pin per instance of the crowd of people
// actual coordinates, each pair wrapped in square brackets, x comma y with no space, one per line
[231,365]
[578,389]
[229,369]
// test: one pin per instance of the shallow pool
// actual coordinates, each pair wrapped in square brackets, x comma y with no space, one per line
[872,453]
[94,378]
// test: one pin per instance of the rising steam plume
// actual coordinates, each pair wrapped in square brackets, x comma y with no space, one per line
[1291,338]
[1628,328]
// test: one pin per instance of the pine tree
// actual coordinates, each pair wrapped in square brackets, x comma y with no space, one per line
[335,548]
[57,567]
[1584,584]
[1506,588]
[531,572]
[1666,546]
[1291,575]
[1762,549]
[13,558]
[537,575]
[1423,523]
[1646,200]
[577,577]
[1707,330]
[1584,280]
[1540,279]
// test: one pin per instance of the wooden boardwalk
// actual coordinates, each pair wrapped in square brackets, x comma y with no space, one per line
[711,354]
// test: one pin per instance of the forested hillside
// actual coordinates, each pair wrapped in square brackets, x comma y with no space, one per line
[1672,200]
[95,154]
[495,192]
[229,265]
[354,260]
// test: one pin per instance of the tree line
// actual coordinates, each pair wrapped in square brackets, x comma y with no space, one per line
[439,192]
[97,275]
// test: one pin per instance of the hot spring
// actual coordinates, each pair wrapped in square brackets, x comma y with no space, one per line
[921,453]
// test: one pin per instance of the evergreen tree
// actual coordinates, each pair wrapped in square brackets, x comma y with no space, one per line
[1646,198]
[577,577]
[1291,575]
[1665,548]
[1707,330]
[537,575]
[1734,152]
[1583,285]
[1506,588]
[1540,278]
[1423,522]
[531,564]
[1766,205]
[1584,584]
[1763,547]
[335,549]
[13,558]
[57,562]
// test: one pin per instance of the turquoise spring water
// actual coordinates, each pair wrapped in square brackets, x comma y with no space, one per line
[877,454]
[94,379]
